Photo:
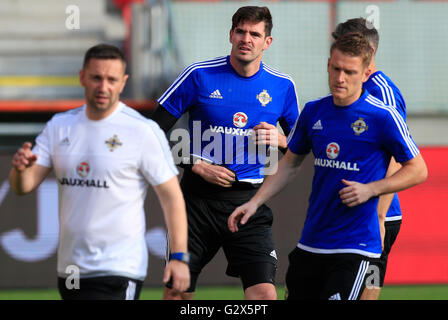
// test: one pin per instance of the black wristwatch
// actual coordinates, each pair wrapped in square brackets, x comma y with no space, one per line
[181,256]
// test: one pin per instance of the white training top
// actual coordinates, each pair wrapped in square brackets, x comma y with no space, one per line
[103,169]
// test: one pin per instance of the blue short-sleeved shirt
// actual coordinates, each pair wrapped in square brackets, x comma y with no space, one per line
[223,108]
[354,143]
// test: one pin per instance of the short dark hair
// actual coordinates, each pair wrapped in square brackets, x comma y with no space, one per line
[354,44]
[253,14]
[360,25]
[104,51]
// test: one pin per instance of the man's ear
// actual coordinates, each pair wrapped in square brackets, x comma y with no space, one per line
[125,78]
[267,42]
[81,77]
[367,73]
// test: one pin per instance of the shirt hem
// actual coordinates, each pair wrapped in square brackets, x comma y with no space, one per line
[394,218]
[105,274]
[335,251]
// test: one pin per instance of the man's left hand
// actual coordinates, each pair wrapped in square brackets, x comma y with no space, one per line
[355,193]
[268,134]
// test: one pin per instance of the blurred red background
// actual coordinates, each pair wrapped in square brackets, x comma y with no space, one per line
[420,254]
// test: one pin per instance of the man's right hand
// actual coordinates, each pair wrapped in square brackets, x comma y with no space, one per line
[26,175]
[211,173]
[24,158]
[240,215]
[179,272]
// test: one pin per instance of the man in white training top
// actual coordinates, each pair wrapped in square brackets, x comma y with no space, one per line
[104,155]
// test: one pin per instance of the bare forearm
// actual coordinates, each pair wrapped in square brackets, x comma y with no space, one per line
[173,205]
[17,182]
[288,168]
[384,204]
[412,173]
[177,227]
[282,142]
[25,181]
[386,199]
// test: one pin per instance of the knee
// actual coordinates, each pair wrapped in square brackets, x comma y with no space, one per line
[262,291]
[268,295]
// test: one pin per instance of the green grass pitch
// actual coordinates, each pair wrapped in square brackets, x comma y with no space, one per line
[417,292]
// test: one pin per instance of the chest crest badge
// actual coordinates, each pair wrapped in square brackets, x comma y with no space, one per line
[113,143]
[359,126]
[264,98]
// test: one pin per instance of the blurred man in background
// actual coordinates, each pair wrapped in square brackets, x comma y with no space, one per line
[104,155]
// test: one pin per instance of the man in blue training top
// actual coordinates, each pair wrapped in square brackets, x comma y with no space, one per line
[389,212]
[234,104]
[352,136]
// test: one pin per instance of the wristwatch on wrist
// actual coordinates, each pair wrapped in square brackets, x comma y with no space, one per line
[181,256]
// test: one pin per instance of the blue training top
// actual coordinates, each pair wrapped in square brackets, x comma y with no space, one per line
[380,86]
[224,107]
[354,143]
